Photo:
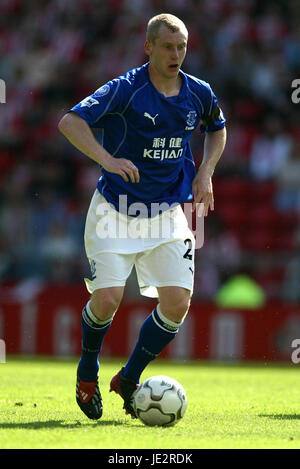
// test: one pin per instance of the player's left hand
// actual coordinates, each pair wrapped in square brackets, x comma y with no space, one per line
[203,190]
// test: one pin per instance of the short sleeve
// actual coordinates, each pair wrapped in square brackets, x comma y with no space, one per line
[106,99]
[213,118]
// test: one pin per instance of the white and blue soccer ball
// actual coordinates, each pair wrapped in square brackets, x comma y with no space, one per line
[160,400]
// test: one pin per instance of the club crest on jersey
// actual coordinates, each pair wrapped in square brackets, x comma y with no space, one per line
[190,120]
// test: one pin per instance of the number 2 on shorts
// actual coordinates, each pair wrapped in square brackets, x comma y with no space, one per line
[187,254]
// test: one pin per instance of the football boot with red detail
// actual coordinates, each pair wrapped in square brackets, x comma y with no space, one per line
[89,399]
[125,387]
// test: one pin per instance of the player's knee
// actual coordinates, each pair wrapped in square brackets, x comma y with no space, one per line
[105,304]
[176,308]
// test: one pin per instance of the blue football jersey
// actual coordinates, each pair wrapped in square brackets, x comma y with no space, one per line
[133,120]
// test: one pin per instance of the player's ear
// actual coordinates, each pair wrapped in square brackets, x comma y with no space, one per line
[148,48]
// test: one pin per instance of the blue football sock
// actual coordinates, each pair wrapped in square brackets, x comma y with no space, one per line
[93,333]
[155,334]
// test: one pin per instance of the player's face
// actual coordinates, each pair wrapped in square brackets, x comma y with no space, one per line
[168,52]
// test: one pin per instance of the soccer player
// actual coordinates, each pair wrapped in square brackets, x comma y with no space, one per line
[137,127]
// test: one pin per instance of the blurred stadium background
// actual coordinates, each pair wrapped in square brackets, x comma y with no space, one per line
[246,303]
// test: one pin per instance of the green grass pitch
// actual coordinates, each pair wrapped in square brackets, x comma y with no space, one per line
[229,406]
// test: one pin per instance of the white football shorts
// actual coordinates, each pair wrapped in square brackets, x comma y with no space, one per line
[161,248]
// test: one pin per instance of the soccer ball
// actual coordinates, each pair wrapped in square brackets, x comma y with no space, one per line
[159,400]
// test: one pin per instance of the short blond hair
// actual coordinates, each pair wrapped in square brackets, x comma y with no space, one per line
[173,23]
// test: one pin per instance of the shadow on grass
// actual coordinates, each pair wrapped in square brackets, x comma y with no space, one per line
[281,416]
[48,424]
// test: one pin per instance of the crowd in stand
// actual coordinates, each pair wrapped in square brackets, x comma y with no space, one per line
[55,53]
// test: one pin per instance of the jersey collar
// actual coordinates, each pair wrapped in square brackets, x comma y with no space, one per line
[182,92]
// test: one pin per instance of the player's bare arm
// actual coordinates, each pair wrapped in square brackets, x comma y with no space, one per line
[78,132]
[214,144]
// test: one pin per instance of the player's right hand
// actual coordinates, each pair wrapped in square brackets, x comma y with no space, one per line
[125,168]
